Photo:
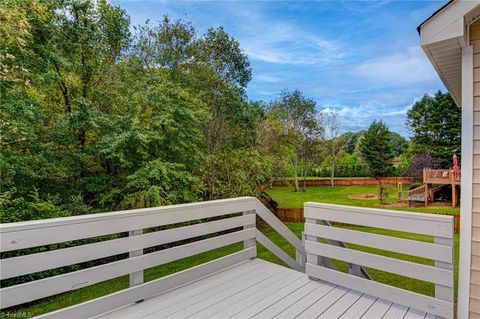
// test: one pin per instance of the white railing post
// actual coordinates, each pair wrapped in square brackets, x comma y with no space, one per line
[252,242]
[299,257]
[443,292]
[136,278]
[311,258]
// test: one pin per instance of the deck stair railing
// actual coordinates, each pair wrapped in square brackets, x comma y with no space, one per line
[440,273]
[419,194]
[126,243]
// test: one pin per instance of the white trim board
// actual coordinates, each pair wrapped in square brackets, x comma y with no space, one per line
[466,184]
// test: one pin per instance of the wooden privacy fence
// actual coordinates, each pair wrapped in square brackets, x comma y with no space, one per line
[357,181]
[290,214]
[297,215]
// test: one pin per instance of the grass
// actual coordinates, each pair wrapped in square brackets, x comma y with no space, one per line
[287,198]
[107,287]
[380,276]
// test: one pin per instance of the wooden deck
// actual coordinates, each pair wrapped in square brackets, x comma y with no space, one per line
[259,289]
[237,285]
[441,176]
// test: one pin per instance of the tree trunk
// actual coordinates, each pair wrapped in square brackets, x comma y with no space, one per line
[332,179]
[333,162]
[304,187]
[295,172]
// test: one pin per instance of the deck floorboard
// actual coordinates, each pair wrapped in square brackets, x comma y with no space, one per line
[259,289]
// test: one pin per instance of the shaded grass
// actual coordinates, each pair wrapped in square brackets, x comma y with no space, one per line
[110,286]
[287,198]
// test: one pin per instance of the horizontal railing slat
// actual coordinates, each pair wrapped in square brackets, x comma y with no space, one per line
[417,301]
[395,244]
[34,290]
[153,288]
[267,243]
[427,224]
[32,263]
[21,235]
[392,265]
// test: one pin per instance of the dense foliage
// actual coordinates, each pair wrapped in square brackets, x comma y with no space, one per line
[435,122]
[99,115]
[96,118]
[302,129]
[376,149]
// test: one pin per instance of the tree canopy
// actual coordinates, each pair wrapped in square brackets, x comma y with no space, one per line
[376,149]
[97,115]
[302,125]
[435,122]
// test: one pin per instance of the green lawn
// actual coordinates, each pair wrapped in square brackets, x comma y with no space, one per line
[97,290]
[384,277]
[287,198]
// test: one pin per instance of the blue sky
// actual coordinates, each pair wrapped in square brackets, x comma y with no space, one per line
[359,58]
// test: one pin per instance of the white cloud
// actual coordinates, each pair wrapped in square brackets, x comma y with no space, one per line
[363,6]
[406,67]
[268,78]
[285,44]
[266,39]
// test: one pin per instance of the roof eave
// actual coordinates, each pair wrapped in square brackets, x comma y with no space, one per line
[442,37]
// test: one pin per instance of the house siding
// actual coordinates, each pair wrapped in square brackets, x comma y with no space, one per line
[475,253]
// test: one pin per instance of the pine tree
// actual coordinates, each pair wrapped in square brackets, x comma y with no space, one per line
[436,126]
[376,149]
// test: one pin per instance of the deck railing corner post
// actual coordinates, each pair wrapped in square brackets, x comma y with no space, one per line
[252,242]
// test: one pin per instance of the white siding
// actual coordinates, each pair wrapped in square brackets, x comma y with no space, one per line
[475,259]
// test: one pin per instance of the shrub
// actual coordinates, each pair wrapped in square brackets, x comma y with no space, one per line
[415,185]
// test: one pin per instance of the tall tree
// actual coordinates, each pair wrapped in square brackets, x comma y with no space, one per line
[399,144]
[376,149]
[336,143]
[435,122]
[95,119]
[304,126]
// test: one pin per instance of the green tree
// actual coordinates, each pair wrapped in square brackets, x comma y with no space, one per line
[435,122]
[399,144]
[376,149]
[95,119]
[351,139]
[301,120]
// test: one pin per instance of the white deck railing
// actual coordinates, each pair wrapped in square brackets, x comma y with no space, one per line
[441,251]
[146,228]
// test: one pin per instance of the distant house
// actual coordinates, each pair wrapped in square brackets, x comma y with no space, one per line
[451,40]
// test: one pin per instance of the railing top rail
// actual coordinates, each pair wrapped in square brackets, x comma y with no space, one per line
[27,234]
[250,203]
[140,216]
[419,223]
[382,212]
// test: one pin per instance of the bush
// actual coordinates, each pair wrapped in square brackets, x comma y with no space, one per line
[415,185]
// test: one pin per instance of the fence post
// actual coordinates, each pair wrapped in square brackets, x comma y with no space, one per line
[442,292]
[136,278]
[252,242]
[311,258]
[315,259]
